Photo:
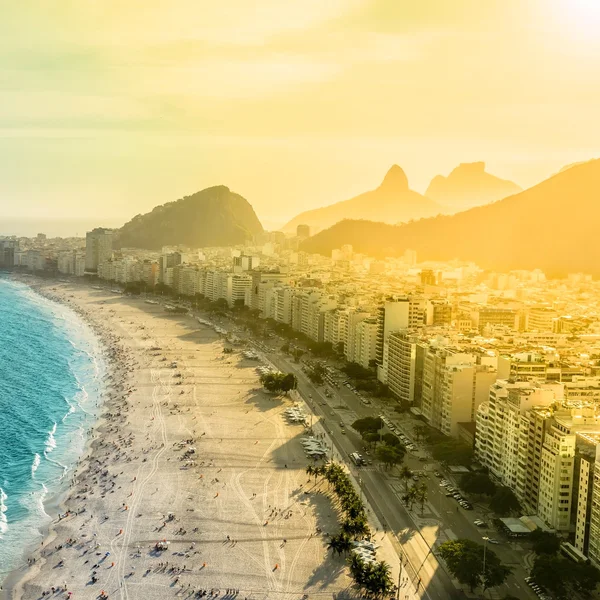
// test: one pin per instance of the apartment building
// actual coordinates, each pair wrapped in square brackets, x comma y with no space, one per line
[540,318]
[398,315]
[483,316]
[556,474]
[402,365]
[464,388]
[507,432]
[435,378]
[98,247]
[365,342]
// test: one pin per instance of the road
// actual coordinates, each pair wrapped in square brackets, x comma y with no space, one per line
[343,408]
[435,584]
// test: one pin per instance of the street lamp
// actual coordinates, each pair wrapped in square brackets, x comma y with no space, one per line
[485,541]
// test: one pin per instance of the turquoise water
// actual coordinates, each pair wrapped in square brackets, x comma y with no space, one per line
[49,386]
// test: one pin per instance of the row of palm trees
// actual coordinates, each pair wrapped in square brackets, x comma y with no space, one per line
[372,578]
[416,493]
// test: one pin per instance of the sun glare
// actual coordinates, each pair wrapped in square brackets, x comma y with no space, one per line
[584,15]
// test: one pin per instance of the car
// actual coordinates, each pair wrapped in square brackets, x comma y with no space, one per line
[448,495]
[451,489]
[479,523]
[438,474]
[344,431]
[416,477]
[493,541]
[423,458]
[468,506]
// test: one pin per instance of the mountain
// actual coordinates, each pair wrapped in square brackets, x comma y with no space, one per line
[469,185]
[392,202]
[213,217]
[552,225]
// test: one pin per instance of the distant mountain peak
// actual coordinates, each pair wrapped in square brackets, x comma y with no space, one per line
[215,216]
[392,202]
[533,229]
[395,179]
[469,168]
[469,185]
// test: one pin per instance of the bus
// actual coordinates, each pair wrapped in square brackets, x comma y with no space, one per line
[357,459]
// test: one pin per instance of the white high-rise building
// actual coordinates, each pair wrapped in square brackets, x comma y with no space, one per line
[98,248]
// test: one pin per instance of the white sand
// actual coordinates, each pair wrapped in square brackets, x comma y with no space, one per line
[228,487]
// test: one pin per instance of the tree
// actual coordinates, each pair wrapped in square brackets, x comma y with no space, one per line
[357,526]
[585,578]
[553,573]
[389,455]
[544,542]
[464,559]
[373,578]
[370,437]
[406,474]
[356,371]
[285,348]
[478,483]
[367,425]
[452,452]
[316,374]
[279,382]
[421,495]
[390,439]
[289,382]
[563,578]
[504,502]
[340,543]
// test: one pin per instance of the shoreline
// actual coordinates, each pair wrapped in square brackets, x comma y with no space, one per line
[244,445]
[56,502]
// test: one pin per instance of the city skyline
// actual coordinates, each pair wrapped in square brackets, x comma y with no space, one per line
[293,105]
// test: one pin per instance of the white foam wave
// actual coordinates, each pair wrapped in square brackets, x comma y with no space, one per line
[50,440]
[70,411]
[36,464]
[57,464]
[3,518]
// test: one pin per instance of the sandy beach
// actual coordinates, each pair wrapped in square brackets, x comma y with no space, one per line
[189,452]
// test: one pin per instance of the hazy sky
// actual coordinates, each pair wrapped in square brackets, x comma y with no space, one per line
[109,107]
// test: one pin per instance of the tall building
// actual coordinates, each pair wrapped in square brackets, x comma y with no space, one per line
[396,315]
[98,248]
[245,262]
[510,430]
[402,366]
[303,231]
[428,277]
[8,248]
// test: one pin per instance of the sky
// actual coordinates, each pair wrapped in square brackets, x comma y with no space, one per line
[110,107]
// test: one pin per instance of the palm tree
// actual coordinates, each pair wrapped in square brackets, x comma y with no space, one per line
[310,471]
[421,495]
[406,474]
[409,498]
[340,543]
[379,582]
[356,527]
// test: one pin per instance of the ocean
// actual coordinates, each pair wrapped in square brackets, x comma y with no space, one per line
[50,376]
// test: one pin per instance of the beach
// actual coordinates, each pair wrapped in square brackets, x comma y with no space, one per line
[193,479]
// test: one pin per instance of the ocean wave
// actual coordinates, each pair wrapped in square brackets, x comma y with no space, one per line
[3,519]
[69,412]
[58,464]
[50,440]
[35,464]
